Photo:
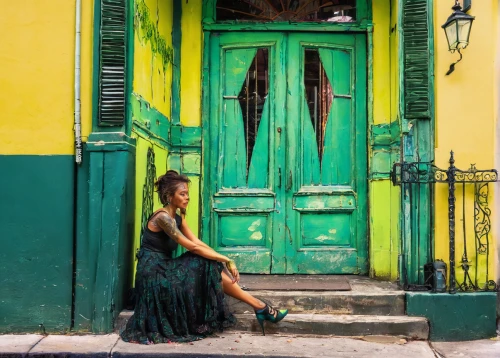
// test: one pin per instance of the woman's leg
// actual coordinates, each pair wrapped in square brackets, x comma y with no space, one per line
[234,290]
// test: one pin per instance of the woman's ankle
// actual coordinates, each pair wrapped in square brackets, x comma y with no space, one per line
[261,310]
[260,307]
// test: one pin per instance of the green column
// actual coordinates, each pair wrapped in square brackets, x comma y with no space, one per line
[103,247]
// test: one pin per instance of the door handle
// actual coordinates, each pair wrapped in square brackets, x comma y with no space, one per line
[279,178]
[289,181]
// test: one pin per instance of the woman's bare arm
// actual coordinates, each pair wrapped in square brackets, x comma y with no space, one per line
[189,234]
[168,224]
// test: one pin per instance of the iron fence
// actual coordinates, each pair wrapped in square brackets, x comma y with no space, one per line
[416,178]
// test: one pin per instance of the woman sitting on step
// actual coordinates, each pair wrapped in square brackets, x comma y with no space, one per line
[182,299]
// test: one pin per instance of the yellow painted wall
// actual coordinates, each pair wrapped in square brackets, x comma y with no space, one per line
[150,81]
[37,49]
[143,144]
[466,112]
[394,59]
[384,197]
[191,62]
[161,155]
[381,62]
[395,191]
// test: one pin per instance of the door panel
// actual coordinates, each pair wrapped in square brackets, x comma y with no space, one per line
[243,204]
[326,166]
[236,63]
[337,161]
[287,160]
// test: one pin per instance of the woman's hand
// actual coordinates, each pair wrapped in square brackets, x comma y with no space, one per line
[231,266]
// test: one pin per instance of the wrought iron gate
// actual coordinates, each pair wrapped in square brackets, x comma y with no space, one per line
[416,177]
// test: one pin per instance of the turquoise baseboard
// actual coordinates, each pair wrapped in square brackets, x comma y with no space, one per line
[458,317]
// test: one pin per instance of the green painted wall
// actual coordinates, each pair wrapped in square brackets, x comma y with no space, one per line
[84,262]
[36,231]
[154,107]
[459,317]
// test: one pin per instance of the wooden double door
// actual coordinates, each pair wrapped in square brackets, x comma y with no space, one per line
[285,151]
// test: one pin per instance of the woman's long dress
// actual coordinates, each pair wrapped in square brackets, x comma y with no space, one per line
[177,299]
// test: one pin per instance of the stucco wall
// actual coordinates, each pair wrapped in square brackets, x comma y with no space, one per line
[36,156]
[152,72]
[155,106]
[497,158]
[384,197]
[191,61]
[466,118]
[37,75]
[150,102]
[190,101]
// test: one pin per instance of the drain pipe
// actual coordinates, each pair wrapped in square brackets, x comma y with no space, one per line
[77,117]
[77,128]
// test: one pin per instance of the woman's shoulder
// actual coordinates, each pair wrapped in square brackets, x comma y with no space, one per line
[162,213]
[157,213]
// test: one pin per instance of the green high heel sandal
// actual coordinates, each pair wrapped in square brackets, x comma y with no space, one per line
[268,313]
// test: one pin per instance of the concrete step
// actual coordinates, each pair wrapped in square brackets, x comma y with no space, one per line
[326,324]
[365,302]
[339,325]
[122,319]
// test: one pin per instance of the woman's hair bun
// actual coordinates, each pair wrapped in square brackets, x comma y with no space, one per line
[171,173]
[167,184]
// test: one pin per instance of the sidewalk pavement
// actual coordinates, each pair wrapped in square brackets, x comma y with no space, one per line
[234,344]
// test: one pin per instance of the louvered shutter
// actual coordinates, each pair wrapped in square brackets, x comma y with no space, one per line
[416,48]
[112,64]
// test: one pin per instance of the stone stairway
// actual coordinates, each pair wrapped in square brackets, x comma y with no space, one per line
[371,308]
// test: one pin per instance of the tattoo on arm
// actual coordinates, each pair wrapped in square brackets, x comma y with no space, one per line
[168,224]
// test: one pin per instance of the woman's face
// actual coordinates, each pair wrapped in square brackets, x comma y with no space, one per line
[181,197]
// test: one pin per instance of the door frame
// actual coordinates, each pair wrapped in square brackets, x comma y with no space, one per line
[209,28]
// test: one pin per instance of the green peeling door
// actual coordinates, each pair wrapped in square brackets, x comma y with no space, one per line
[285,152]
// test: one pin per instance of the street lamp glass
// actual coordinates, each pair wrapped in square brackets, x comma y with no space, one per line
[457,29]
[451,36]
[464,27]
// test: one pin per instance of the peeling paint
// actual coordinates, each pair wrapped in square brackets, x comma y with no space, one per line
[254,225]
[317,204]
[256,236]
[322,238]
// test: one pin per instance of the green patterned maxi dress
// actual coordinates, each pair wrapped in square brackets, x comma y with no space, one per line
[177,299]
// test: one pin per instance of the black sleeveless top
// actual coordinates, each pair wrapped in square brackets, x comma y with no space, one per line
[160,241]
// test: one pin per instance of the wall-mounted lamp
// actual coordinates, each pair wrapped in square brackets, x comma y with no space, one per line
[457,29]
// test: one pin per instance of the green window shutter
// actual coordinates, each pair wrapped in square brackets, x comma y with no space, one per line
[416,48]
[112,63]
